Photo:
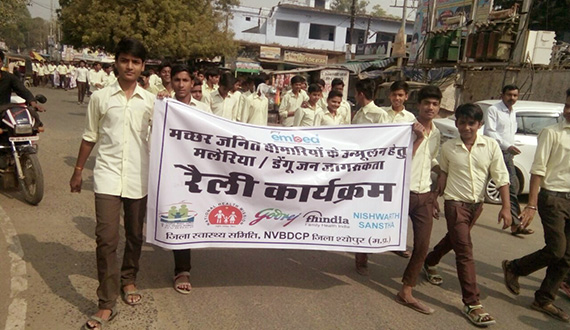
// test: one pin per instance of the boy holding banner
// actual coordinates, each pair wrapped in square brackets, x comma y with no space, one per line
[422,199]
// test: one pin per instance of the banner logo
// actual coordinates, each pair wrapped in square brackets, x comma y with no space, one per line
[295,138]
[225,215]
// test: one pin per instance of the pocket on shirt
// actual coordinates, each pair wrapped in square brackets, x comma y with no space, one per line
[140,123]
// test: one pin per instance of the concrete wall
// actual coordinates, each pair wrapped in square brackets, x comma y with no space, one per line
[543,85]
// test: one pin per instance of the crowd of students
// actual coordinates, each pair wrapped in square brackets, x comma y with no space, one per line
[463,166]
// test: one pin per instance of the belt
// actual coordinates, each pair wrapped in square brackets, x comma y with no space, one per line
[464,204]
[565,195]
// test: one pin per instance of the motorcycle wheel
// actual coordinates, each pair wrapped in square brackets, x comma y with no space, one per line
[32,185]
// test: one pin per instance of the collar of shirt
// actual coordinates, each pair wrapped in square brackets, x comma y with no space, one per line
[478,141]
[502,106]
[116,88]
[370,107]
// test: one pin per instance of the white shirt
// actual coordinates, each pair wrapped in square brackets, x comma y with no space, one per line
[501,125]
[370,114]
[324,117]
[290,102]
[62,70]
[82,73]
[424,160]
[403,116]
[154,79]
[305,116]
[121,129]
[95,78]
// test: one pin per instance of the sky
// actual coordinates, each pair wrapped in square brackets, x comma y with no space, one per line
[40,8]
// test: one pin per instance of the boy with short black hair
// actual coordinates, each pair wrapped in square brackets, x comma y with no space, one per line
[466,163]
[292,100]
[212,78]
[118,120]
[369,112]
[220,101]
[398,96]
[305,116]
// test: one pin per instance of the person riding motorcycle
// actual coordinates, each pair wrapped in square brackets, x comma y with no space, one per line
[10,83]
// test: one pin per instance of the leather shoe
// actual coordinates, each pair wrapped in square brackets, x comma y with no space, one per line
[511,280]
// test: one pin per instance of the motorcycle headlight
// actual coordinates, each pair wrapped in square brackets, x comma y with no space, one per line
[23,129]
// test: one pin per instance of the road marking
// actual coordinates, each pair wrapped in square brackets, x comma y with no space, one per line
[16,318]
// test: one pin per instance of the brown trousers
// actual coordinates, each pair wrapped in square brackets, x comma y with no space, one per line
[460,219]
[81,89]
[108,212]
[420,212]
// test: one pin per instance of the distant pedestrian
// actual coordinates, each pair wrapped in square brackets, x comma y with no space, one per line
[550,195]
[292,100]
[501,125]
[82,72]
[305,115]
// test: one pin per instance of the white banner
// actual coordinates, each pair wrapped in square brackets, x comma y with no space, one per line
[218,183]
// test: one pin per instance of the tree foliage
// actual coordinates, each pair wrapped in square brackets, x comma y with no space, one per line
[345,6]
[10,10]
[378,11]
[168,28]
[18,29]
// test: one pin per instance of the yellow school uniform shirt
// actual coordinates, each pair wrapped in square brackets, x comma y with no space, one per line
[467,171]
[255,109]
[120,127]
[424,160]
[291,102]
[370,114]
[220,106]
[403,116]
[552,157]
[305,116]
[325,118]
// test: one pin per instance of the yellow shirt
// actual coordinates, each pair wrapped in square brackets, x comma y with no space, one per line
[467,172]
[344,110]
[290,102]
[552,157]
[305,116]
[223,107]
[207,90]
[200,105]
[255,109]
[403,116]
[161,88]
[121,129]
[424,160]
[370,114]
[324,117]
[241,104]
[153,89]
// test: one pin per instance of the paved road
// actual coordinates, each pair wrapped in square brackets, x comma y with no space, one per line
[233,289]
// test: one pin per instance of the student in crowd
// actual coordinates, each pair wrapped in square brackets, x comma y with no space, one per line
[220,100]
[291,101]
[330,115]
[51,72]
[210,84]
[62,71]
[466,162]
[236,94]
[344,109]
[118,120]
[108,75]
[154,79]
[165,71]
[305,115]
[550,195]
[398,96]
[246,89]
[501,125]
[145,77]
[82,72]
[255,107]
[422,200]
[96,78]
[369,112]
[196,90]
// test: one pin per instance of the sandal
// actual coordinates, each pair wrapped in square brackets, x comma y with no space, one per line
[181,279]
[431,275]
[126,294]
[551,310]
[102,323]
[522,231]
[478,319]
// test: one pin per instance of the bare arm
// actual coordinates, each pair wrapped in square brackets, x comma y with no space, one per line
[527,215]
[84,152]
[505,213]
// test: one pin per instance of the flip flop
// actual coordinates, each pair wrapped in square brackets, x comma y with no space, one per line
[434,279]
[551,310]
[178,283]
[522,231]
[417,306]
[477,319]
[102,323]
[125,295]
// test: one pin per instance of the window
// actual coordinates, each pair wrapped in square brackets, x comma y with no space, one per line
[532,125]
[320,3]
[248,19]
[287,29]
[321,32]
[385,37]
[358,36]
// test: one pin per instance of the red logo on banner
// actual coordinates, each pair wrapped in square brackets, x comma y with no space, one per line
[225,215]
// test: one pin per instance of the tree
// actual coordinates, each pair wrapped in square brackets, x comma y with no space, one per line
[15,29]
[9,11]
[378,11]
[345,5]
[169,28]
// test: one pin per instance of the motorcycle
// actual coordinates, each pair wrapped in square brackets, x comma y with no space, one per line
[19,163]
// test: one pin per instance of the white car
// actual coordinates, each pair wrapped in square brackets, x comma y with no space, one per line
[532,117]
